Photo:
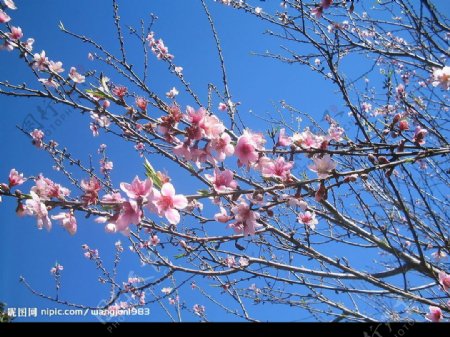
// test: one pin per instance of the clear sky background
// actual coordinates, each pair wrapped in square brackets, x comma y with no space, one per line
[258,83]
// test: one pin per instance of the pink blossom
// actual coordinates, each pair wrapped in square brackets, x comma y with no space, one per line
[173,301]
[120,91]
[130,213]
[245,151]
[222,180]
[221,146]
[308,218]
[110,228]
[16,33]
[91,189]
[49,82]
[68,221]
[307,140]
[419,135]
[283,140]
[141,103]
[444,280]
[166,290]
[37,136]
[222,216]
[106,166]
[182,150]
[161,50]
[199,309]
[403,125]
[55,67]
[243,261]
[167,203]
[154,240]
[323,166]
[47,189]
[435,314]
[441,77]
[139,146]
[366,107]
[222,107]
[137,189]
[15,178]
[335,132]
[56,269]
[172,93]
[178,71]
[94,128]
[212,127]
[246,219]
[8,45]
[277,168]
[40,61]
[195,116]
[230,261]
[75,76]
[28,45]
[118,246]
[4,17]
[10,4]
[36,207]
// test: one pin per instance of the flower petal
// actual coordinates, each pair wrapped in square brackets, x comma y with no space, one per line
[168,190]
[173,216]
[180,201]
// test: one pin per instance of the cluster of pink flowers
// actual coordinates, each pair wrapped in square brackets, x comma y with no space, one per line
[202,125]
[199,309]
[38,136]
[42,63]
[91,189]
[56,269]
[164,202]
[275,168]
[222,180]
[37,208]
[75,76]
[100,121]
[246,219]
[158,47]
[44,190]
[89,253]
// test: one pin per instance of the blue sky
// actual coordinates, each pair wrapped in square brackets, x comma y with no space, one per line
[257,83]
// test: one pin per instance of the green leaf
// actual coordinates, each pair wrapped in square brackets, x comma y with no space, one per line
[151,174]
[98,93]
[104,84]
[203,192]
